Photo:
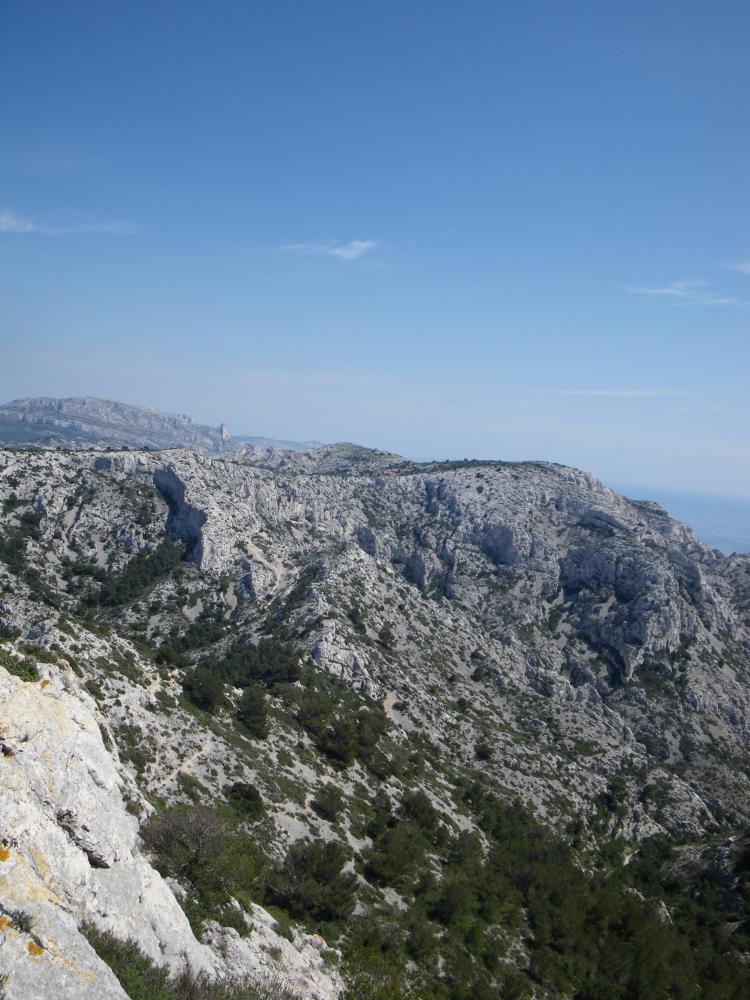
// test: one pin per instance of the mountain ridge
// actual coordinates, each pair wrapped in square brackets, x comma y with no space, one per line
[89,421]
[382,649]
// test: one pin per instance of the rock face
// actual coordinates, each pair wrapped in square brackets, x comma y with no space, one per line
[596,651]
[531,578]
[70,853]
[70,848]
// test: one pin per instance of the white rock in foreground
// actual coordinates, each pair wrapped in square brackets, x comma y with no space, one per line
[69,852]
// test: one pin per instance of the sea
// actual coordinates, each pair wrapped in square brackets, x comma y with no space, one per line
[721,522]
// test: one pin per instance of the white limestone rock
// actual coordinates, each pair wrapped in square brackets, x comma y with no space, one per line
[71,849]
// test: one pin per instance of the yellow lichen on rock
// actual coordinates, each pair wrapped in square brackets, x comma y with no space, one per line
[35,949]
[4,853]
[43,684]
[30,880]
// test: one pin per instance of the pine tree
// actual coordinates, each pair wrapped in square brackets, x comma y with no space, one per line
[252,711]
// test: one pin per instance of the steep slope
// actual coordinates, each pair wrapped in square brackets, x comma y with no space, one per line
[71,854]
[532,579]
[71,847]
[382,650]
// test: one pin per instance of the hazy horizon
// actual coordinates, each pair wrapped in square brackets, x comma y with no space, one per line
[706,498]
[433,229]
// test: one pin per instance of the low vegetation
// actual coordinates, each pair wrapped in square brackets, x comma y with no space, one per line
[19,666]
[142,979]
[141,573]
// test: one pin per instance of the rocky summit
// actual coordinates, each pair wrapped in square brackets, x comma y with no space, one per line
[330,723]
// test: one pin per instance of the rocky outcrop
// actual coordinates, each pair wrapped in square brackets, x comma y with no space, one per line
[71,848]
[524,604]
[587,654]
[70,853]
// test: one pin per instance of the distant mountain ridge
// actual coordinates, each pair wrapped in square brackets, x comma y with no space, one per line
[87,421]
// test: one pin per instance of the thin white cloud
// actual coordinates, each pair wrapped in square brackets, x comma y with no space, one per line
[677,290]
[339,251]
[618,393]
[689,292]
[13,224]
[743,266]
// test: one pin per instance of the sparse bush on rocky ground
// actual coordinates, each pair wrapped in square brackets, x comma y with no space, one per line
[189,986]
[186,838]
[19,666]
[252,711]
[328,802]
[311,885]
[204,688]
[142,979]
[210,856]
[18,918]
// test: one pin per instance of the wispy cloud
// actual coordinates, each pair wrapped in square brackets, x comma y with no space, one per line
[694,292]
[677,290]
[618,393]
[13,224]
[339,251]
[743,266]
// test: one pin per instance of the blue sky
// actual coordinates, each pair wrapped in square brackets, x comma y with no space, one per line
[487,229]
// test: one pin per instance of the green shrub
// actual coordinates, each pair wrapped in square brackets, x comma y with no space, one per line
[205,689]
[269,663]
[338,741]
[38,652]
[386,636]
[142,979]
[191,786]
[13,550]
[140,574]
[139,976]
[340,723]
[395,855]
[328,802]
[208,627]
[252,711]
[311,885]
[246,800]
[355,616]
[417,806]
[19,666]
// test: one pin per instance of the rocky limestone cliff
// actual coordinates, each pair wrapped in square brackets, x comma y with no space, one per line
[70,853]
[584,652]
[534,577]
